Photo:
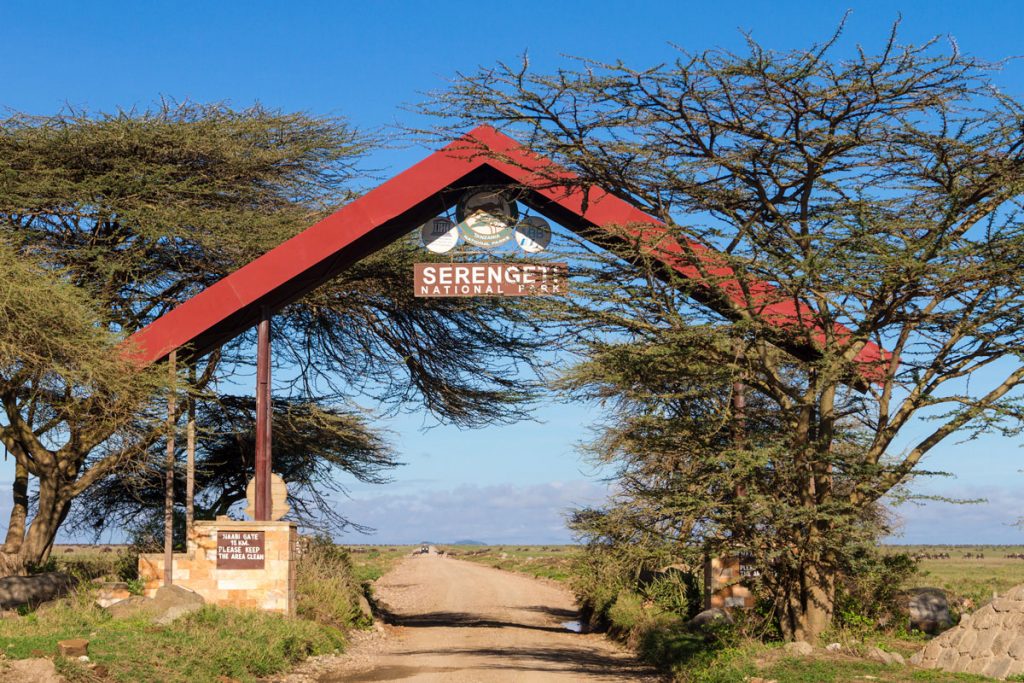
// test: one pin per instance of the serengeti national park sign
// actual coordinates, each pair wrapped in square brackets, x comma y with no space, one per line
[489,279]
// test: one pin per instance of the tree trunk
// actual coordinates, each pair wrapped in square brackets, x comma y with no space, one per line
[809,603]
[34,545]
[19,513]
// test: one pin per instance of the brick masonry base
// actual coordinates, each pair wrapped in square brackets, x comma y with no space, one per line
[271,588]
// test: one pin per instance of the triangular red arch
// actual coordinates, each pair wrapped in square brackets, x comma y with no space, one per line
[374,220]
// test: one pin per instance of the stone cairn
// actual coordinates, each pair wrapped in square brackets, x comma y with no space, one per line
[989,642]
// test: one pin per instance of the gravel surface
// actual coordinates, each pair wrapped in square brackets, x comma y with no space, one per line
[459,621]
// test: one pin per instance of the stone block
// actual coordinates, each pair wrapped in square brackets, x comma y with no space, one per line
[1015,593]
[73,647]
[931,651]
[966,644]
[1016,668]
[1005,604]
[976,666]
[987,617]
[983,646]
[1016,647]
[947,658]
[999,667]
[1001,643]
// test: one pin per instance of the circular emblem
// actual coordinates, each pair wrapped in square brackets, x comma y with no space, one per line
[486,217]
[439,235]
[533,234]
[494,201]
[486,230]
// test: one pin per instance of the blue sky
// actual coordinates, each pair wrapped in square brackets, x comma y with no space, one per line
[369,62]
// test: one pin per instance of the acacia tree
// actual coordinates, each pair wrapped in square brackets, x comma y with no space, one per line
[880,192]
[55,360]
[314,447]
[140,210]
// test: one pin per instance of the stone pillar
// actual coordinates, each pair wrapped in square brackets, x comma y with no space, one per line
[243,576]
[722,587]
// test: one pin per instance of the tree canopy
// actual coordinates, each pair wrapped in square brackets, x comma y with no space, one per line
[880,190]
[141,209]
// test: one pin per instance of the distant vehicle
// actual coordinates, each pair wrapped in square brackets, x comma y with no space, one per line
[424,549]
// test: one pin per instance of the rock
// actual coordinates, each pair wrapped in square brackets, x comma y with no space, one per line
[16,591]
[37,670]
[799,648]
[833,647]
[112,592]
[130,607]
[364,607]
[172,602]
[169,603]
[709,617]
[927,609]
[74,647]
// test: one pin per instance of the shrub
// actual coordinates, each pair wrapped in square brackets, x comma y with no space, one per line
[675,591]
[597,577]
[326,589]
[868,595]
[627,613]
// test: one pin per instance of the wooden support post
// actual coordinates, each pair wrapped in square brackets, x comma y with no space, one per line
[264,411]
[169,481]
[190,462]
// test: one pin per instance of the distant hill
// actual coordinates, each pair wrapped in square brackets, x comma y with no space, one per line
[468,543]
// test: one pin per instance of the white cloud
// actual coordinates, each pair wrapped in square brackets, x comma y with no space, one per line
[492,514]
[988,523]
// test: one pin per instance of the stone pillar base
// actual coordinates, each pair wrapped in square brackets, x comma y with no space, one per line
[270,588]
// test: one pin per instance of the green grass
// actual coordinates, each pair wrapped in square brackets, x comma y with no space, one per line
[973,578]
[244,645]
[548,562]
[370,562]
[752,659]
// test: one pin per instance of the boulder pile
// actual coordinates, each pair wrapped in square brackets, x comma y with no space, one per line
[989,642]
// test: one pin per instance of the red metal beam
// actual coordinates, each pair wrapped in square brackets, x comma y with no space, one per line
[384,214]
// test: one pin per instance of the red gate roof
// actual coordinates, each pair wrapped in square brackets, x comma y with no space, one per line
[371,222]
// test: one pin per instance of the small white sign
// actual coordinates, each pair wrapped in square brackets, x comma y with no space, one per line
[533,234]
[439,235]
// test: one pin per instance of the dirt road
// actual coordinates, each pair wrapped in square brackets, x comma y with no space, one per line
[459,621]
